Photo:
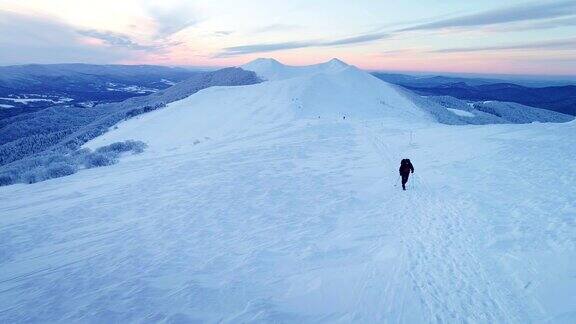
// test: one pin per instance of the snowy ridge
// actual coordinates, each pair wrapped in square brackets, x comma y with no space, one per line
[270,69]
[332,90]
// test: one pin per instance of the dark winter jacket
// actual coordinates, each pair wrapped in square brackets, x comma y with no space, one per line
[406,167]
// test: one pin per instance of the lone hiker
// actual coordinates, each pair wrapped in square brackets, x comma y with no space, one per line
[405,168]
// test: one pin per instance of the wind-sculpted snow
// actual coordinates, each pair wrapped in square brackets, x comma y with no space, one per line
[62,130]
[301,222]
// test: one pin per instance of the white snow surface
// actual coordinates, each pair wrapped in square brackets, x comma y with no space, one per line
[270,69]
[462,113]
[247,207]
[330,91]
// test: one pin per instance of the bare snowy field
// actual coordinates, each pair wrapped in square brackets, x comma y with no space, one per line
[261,203]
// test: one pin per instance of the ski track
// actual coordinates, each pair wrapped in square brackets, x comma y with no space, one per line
[440,253]
[319,231]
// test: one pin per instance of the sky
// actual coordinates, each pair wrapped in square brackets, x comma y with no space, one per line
[488,36]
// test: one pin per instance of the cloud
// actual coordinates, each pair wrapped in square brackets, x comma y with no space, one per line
[517,13]
[357,39]
[117,40]
[270,47]
[401,51]
[559,44]
[171,20]
[276,28]
[223,32]
[258,48]
[535,25]
[34,39]
[540,15]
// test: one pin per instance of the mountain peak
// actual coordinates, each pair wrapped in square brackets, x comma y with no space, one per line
[271,69]
[337,62]
[263,61]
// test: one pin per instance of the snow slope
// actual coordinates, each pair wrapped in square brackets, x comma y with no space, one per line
[330,91]
[247,207]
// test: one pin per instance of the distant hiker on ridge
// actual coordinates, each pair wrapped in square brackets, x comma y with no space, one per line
[405,168]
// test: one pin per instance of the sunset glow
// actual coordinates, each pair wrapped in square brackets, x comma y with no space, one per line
[518,37]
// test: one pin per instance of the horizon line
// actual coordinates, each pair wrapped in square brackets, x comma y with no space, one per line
[216,67]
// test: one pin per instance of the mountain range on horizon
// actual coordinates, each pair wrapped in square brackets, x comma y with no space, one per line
[86,84]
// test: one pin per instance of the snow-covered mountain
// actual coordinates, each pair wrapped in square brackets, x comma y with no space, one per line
[331,91]
[279,202]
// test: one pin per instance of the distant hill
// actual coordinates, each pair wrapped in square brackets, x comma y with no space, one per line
[556,98]
[45,85]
